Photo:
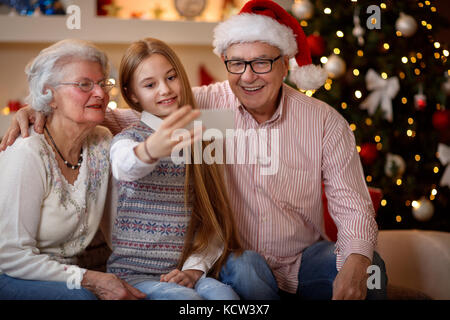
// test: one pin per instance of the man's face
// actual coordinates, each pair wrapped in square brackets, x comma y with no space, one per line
[257,92]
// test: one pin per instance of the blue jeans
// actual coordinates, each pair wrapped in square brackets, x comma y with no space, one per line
[250,277]
[318,271]
[19,289]
[205,288]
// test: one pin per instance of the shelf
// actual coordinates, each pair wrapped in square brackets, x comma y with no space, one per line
[103,29]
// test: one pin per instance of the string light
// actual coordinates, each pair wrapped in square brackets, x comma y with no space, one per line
[379,146]
[356,72]
[344,105]
[417,157]
[404,100]
[383,5]
[434,192]
[445,53]
[436,169]
[369,121]
[353,127]
[386,46]
[336,51]
[304,23]
[324,60]
[404,59]
[339,33]
[415,204]
[410,121]
[413,59]
[383,202]
[6,111]
[399,182]
[358,148]
[327,11]
[398,218]
[402,75]
[384,75]
[437,45]
[377,138]
[358,94]
[360,53]
[369,178]
[419,55]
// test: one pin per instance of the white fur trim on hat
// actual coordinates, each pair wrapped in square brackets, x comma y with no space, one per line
[308,77]
[247,27]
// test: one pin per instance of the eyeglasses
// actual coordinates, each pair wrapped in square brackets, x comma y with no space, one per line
[87,85]
[258,66]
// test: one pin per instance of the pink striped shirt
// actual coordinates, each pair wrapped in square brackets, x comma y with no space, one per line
[280,215]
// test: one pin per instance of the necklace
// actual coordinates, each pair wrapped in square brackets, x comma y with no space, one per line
[67,163]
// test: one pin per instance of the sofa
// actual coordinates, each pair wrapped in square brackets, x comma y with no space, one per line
[417,261]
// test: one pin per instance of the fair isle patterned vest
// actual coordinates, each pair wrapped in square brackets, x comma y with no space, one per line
[151,222]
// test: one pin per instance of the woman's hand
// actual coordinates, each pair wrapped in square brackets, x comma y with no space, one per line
[161,144]
[20,123]
[187,278]
[107,286]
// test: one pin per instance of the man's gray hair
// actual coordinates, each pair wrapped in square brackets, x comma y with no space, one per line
[46,68]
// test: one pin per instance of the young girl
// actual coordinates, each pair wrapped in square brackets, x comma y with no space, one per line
[174,224]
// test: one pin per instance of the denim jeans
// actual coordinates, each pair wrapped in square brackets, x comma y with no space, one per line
[19,289]
[205,289]
[318,271]
[250,277]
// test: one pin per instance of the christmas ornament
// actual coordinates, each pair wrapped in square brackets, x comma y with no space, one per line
[383,91]
[14,105]
[395,165]
[368,153]
[420,100]
[335,66]
[446,85]
[358,31]
[422,209]
[406,24]
[303,9]
[100,10]
[205,77]
[316,45]
[441,120]
[444,158]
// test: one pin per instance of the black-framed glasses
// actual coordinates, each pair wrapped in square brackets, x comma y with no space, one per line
[87,85]
[258,66]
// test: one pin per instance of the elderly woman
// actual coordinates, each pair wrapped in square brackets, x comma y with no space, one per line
[53,186]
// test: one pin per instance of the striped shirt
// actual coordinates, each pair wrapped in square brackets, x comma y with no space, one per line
[281,214]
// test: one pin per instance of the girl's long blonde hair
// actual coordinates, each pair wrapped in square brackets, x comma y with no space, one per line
[212,216]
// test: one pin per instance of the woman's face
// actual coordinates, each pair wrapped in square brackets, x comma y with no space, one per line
[155,86]
[76,105]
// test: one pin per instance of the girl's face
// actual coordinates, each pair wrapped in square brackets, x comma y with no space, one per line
[155,86]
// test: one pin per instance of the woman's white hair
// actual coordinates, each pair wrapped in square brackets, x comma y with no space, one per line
[47,68]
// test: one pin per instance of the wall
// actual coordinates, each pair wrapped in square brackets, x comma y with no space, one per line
[15,56]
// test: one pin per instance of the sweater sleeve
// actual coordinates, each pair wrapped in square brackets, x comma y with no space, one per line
[22,191]
[125,165]
[205,260]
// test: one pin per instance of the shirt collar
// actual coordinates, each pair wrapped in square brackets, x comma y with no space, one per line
[151,120]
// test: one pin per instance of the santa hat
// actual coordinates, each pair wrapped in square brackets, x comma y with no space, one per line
[266,21]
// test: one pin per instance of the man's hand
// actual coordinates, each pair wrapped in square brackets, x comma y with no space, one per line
[20,123]
[351,281]
[187,278]
[107,286]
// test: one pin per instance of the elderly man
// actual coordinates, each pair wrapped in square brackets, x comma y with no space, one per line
[280,215]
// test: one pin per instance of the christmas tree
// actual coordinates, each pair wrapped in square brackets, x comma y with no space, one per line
[389,77]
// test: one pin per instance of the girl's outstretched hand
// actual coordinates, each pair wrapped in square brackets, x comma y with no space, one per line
[161,143]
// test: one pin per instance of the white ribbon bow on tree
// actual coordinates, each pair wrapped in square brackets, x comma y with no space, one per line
[383,91]
[444,158]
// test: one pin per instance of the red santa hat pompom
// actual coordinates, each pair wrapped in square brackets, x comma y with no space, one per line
[266,21]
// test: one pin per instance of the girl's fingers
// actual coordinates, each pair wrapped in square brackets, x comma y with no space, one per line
[176,116]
